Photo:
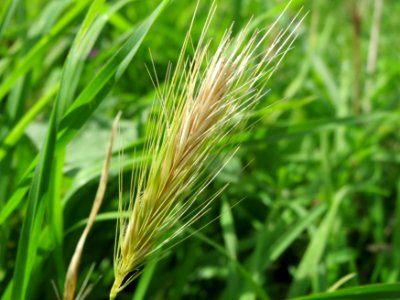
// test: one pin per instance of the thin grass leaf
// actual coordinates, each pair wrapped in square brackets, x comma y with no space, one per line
[100,86]
[19,129]
[367,292]
[316,248]
[296,131]
[270,245]
[231,243]
[341,282]
[145,279]
[7,11]
[228,229]
[260,292]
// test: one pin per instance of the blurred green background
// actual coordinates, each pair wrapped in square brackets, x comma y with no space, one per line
[313,202]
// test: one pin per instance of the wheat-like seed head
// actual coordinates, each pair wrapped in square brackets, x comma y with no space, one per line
[206,100]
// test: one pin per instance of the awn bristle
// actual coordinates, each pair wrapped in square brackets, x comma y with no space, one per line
[205,101]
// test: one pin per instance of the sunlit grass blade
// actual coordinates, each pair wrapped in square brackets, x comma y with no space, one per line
[89,99]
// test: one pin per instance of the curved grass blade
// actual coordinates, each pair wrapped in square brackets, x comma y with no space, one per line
[100,86]
[366,292]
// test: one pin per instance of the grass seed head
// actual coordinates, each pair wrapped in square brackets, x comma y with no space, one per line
[206,100]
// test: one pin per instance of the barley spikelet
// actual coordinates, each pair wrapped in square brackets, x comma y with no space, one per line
[206,99]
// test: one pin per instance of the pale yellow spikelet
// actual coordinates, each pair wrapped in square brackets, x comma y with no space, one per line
[205,101]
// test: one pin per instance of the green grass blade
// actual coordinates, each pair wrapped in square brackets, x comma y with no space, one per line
[13,203]
[6,14]
[19,129]
[145,279]
[92,173]
[300,130]
[228,229]
[366,292]
[261,293]
[231,242]
[26,247]
[82,44]
[270,246]
[316,248]
[44,191]
[100,86]
[108,216]
[293,232]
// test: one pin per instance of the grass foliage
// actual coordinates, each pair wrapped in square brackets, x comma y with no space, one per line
[307,208]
